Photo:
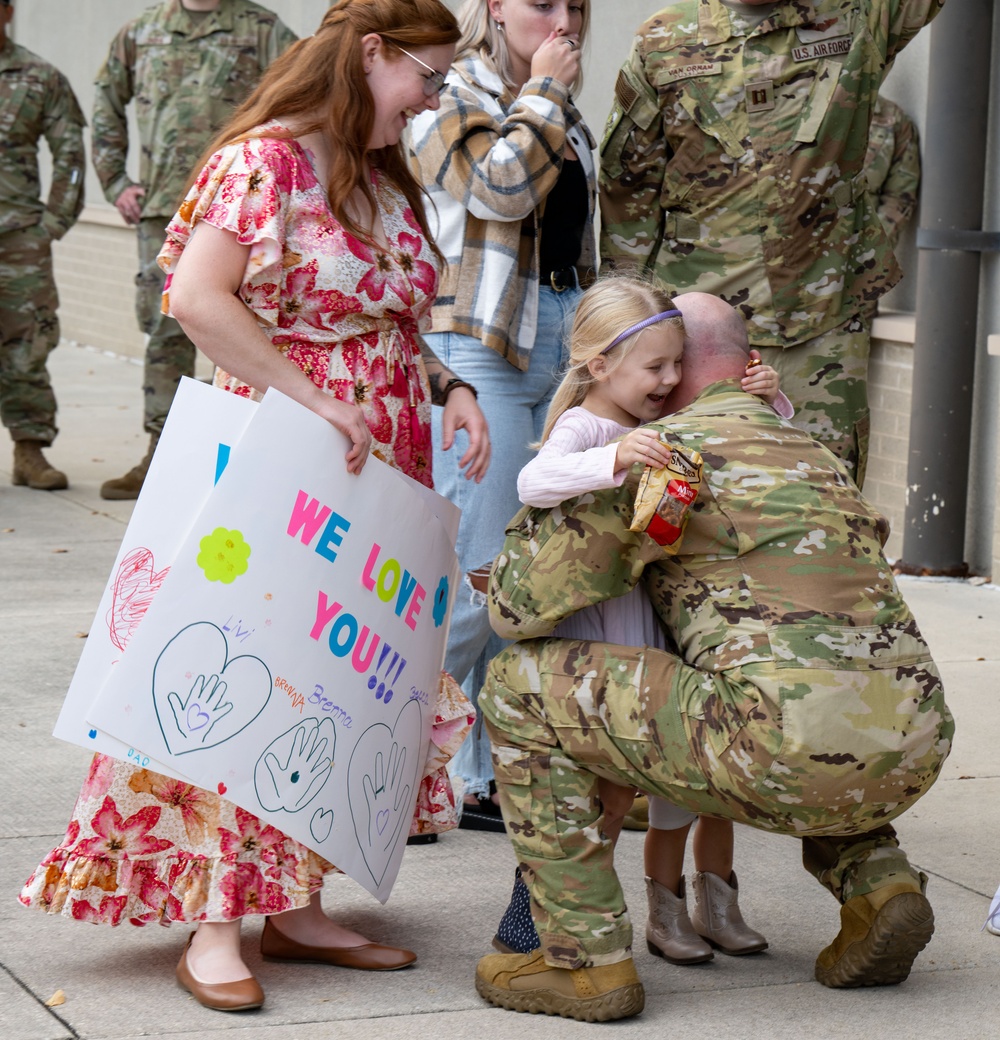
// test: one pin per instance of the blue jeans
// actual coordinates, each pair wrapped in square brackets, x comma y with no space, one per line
[515,404]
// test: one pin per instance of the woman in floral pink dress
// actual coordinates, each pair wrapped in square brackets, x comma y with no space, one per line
[300,259]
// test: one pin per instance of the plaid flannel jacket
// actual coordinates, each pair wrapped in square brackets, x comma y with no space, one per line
[487,161]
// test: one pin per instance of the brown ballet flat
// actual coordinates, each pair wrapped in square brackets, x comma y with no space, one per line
[244,995]
[370,957]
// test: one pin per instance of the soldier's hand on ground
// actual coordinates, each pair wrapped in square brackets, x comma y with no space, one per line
[128,204]
[643,446]
[558,57]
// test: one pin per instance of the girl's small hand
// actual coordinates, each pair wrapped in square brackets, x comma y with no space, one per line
[761,380]
[558,57]
[462,412]
[641,445]
[350,420]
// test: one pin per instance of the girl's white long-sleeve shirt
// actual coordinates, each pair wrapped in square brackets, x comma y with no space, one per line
[576,458]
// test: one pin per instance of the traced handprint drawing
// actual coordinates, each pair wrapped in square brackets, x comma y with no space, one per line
[381,786]
[293,768]
[201,697]
[196,715]
[385,794]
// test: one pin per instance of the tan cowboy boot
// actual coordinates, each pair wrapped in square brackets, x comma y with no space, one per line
[129,486]
[31,468]
[717,916]
[669,933]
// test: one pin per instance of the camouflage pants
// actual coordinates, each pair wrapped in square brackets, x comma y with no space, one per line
[169,353]
[29,332]
[828,756]
[826,378]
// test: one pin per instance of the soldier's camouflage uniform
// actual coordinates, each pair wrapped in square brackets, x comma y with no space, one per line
[893,167]
[733,164]
[36,101]
[186,75]
[803,701]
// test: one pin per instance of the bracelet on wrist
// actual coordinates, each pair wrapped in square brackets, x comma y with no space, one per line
[454,384]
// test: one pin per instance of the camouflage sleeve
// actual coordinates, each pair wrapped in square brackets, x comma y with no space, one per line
[905,18]
[63,125]
[113,90]
[897,200]
[275,40]
[591,548]
[634,154]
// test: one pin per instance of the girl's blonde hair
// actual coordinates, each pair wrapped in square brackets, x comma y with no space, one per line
[482,39]
[324,74]
[609,307]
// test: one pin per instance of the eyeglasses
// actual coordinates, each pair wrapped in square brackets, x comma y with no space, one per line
[434,83]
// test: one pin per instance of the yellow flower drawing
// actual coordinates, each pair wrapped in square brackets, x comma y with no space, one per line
[223,555]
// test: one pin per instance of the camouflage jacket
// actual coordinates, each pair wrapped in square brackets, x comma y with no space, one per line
[186,75]
[780,562]
[37,101]
[733,158]
[893,166]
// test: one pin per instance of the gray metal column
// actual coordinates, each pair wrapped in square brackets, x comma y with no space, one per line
[949,241]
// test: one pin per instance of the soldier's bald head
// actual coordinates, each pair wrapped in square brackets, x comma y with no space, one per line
[715,345]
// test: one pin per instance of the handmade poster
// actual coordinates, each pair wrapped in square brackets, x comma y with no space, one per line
[203,425]
[291,657]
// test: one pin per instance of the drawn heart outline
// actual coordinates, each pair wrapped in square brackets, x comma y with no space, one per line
[321,824]
[201,649]
[135,584]
[378,739]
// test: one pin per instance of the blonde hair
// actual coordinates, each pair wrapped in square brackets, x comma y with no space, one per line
[611,305]
[324,73]
[481,38]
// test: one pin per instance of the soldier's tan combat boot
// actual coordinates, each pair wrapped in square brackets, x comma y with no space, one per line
[880,937]
[32,469]
[129,486]
[637,818]
[717,916]
[669,932]
[524,982]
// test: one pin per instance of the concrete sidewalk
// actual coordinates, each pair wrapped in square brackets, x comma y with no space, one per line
[56,550]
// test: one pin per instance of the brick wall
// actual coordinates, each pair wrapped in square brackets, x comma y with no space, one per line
[95,267]
[890,375]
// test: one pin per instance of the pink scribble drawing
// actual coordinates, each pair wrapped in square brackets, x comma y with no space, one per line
[135,585]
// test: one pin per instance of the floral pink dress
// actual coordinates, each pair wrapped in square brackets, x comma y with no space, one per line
[142,847]
[344,313]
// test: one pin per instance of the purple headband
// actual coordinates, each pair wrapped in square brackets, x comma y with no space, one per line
[639,326]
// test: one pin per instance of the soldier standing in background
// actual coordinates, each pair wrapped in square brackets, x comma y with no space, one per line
[893,167]
[893,170]
[733,164]
[36,101]
[187,64]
